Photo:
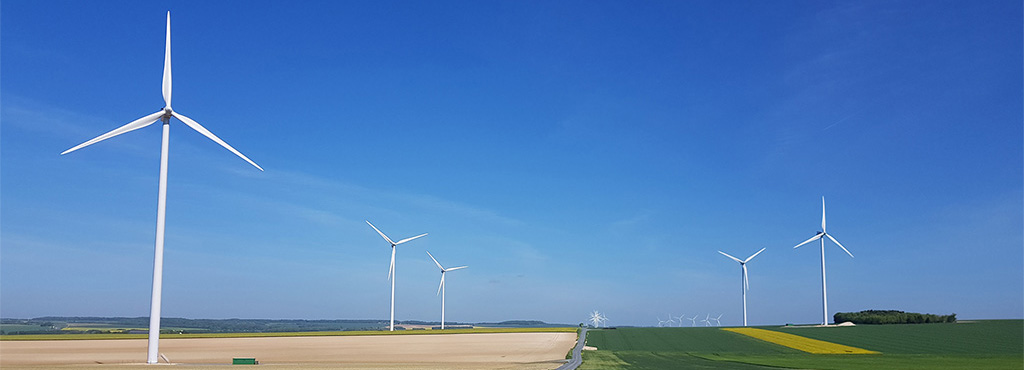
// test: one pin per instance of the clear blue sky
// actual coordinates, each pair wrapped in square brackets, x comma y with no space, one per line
[577,155]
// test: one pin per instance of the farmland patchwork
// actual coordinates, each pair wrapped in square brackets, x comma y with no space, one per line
[799,343]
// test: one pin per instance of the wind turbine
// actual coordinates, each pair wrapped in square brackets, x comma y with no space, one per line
[440,288]
[661,322]
[707,320]
[717,320]
[693,320]
[746,284]
[681,317]
[391,270]
[597,318]
[164,115]
[819,236]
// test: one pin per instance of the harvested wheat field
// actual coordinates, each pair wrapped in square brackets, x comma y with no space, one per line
[442,351]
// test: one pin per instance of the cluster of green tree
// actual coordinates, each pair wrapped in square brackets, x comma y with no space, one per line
[891,317]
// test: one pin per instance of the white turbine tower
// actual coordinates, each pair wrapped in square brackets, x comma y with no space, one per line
[820,236]
[746,284]
[440,288]
[391,270]
[163,115]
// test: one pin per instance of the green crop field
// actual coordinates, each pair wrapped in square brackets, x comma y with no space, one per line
[991,344]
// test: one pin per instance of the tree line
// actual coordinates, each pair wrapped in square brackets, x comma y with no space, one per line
[877,317]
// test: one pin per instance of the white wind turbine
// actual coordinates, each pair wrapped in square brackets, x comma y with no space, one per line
[681,317]
[707,320]
[717,319]
[820,236]
[164,115]
[746,284]
[693,320]
[596,318]
[391,270]
[440,288]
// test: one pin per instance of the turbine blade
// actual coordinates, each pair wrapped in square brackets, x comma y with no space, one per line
[813,238]
[442,284]
[202,130]
[381,233]
[456,268]
[733,258]
[391,270]
[822,214]
[435,261]
[755,255]
[408,239]
[131,126]
[840,245]
[746,282]
[167,64]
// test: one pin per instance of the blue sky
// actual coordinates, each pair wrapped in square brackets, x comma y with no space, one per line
[577,155]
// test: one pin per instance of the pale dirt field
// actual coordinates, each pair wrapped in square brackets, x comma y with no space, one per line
[419,352]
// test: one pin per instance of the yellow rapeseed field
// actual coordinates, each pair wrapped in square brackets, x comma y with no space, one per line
[799,343]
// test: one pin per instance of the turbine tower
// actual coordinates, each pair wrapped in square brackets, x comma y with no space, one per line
[440,288]
[391,271]
[820,237]
[164,115]
[746,284]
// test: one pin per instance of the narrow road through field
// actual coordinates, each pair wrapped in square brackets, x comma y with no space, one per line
[577,353]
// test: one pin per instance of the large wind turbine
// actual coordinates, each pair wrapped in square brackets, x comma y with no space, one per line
[819,237]
[440,288]
[746,284]
[391,271]
[164,115]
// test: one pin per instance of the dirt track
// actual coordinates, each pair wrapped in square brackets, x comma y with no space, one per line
[443,351]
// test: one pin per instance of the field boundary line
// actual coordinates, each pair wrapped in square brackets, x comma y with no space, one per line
[800,343]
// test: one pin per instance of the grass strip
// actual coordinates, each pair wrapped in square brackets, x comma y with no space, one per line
[484,330]
[799,343]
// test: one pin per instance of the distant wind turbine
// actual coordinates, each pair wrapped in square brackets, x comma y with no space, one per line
[440,288]
[164,115]
[693,320]
[391,270]
[680,318]
[820,236]
[596,318]
[707,320]
[746,283]
[717,320]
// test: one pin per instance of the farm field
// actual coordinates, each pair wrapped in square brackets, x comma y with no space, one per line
[469,351]
[993,344]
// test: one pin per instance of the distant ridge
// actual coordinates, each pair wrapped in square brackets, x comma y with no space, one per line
[94,324]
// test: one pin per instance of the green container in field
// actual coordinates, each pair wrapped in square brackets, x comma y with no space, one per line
[244,361]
